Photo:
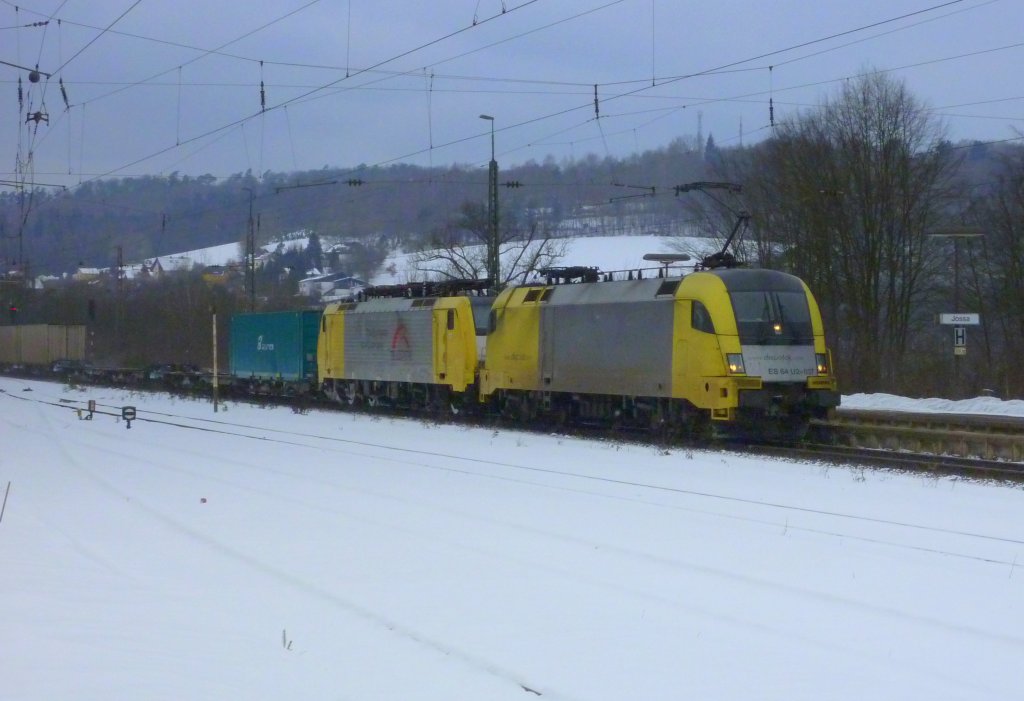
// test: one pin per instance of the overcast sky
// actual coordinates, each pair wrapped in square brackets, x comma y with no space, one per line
[175,86]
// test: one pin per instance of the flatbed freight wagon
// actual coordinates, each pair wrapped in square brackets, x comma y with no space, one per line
[274,350]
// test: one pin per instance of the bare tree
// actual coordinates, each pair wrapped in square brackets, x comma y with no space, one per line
[1000,214]
[459,249]
[851,190]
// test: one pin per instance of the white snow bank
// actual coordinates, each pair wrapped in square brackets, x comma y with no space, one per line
[978,405]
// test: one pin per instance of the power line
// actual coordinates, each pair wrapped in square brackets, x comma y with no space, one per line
[321,88]
[303,98]
[207,52]
[631,94]
[93,41]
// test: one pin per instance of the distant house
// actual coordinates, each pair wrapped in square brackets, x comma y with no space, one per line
[151,269]
[344,290]
[156,267]
[323,286]
[344,248]
[87,274]
[49,282]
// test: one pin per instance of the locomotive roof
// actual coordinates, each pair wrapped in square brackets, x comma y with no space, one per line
[756,279]
[611,291]
[648,289]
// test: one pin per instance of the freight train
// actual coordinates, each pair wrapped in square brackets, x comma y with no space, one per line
[731,348]
[725,350]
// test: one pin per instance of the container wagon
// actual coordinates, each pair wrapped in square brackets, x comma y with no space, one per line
[274,352]
[40,345]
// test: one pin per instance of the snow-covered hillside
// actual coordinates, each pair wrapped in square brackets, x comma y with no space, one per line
[603,252]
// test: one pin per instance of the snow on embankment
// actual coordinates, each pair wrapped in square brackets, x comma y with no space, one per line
[977,405]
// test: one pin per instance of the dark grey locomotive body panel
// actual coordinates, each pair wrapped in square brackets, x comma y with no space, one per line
[610,338]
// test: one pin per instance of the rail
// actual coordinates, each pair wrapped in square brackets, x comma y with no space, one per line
[969,436]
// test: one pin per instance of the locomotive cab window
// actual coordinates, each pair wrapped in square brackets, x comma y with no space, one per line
[773,317]
[700,318]
[480,306]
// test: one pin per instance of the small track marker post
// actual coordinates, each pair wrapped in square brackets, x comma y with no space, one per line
[213,313]
[91,410]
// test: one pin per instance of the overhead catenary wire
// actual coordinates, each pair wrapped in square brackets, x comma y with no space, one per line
[208,52]
[947,3]
[432,145]
[621,95]
[323,87]
[95,38]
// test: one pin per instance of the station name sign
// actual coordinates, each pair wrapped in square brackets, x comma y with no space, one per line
[960,319]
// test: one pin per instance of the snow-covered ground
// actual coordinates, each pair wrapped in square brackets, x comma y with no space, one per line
[977,405]
[223,254]
[266,554]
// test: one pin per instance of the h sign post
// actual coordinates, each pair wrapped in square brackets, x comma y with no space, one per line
[960,321]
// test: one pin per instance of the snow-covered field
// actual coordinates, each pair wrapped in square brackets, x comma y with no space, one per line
[265,554]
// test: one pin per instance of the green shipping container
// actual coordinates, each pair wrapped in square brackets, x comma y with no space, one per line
[275,345]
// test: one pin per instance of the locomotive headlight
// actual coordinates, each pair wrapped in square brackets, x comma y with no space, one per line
[735,363]
[821,360]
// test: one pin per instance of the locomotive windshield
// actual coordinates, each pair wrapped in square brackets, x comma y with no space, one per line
[772,318]
[770,306]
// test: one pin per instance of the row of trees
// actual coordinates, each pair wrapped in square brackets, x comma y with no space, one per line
[861,197]
[56,231]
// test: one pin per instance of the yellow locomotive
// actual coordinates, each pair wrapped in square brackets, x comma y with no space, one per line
[409,346]
[730,347]
[737,346]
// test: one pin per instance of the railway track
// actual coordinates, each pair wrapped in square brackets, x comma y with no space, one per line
[984,438]
[976,446]
[881,458]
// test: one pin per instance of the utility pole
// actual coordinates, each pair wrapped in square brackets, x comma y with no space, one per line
[119,306]
[21,236]
[958,319]
[493,257]
[216,370]
[250,256]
